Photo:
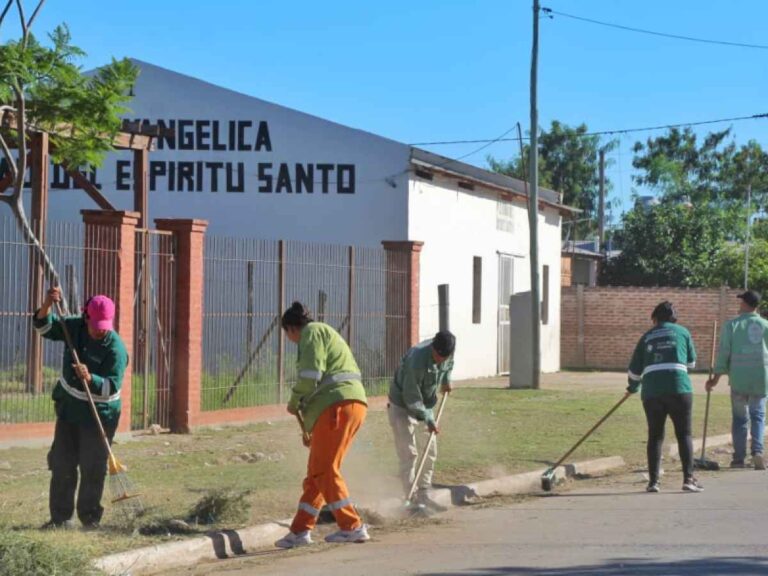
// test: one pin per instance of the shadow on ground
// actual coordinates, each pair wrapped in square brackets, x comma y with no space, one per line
[740,566]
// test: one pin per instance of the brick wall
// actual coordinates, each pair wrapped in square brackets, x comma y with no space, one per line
[600,326]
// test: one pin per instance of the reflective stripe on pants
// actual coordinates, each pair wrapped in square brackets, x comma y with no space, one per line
[332,436]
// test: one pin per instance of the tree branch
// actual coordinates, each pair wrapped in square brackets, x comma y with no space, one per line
[21,129]
[5,11]
[34,14]
[23,20]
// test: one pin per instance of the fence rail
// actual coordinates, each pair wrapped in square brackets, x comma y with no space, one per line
[249,283]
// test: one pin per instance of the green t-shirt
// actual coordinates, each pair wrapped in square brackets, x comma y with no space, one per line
[661,362]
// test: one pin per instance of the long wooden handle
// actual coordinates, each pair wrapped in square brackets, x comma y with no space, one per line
[709,392]
[306,437]
[591,430]
[91,403]
[424,455]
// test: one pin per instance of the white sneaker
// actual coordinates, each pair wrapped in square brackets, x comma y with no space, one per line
[292,540]
[692,485]
[758,462]
[357,535]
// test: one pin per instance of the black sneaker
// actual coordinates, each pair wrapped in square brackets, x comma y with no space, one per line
[424,501]
[692,485]
[737,464]
[65,525]
[653,487]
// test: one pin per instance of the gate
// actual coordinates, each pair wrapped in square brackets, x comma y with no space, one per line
[153,307]
[506,289]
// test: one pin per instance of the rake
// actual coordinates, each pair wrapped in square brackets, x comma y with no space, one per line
[703,463]
[124,495]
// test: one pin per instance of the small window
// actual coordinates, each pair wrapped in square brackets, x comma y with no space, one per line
[477,288]
[545,296]
[505,215]
[466,185]
[424,174]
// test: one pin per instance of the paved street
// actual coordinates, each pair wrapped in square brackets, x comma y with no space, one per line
[608,527]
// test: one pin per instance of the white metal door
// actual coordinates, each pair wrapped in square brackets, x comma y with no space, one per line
[506,289]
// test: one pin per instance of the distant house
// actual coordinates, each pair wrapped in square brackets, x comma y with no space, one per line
[580,263]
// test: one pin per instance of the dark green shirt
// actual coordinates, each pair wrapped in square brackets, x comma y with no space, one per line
[417,379]
[106,360]
[661,362]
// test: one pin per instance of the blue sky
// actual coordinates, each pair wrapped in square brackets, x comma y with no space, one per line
[450,70]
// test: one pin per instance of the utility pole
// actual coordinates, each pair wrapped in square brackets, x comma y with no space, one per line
[601,205]
[533,206]
[746,245]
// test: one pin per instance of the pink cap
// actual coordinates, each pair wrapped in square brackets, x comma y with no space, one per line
[101,312]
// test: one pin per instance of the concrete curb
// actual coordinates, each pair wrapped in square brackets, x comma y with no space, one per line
[232,543]
[712,442]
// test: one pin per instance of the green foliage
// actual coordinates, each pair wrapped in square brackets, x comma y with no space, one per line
[695,236]
[81,112]
[730,265]
[671,245]
[680,166]
[23,555]
[568,163]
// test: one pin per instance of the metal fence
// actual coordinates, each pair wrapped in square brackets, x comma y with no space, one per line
[29,365]
[248,283]
[153,309]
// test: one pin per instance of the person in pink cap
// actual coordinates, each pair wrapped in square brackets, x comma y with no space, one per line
[77,448]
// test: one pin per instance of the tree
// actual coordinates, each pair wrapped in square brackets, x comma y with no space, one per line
[671,244]
[681,167]
[43,89]
[568,164]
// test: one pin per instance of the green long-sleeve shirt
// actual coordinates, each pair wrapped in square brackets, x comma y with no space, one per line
[327,373]
[743,354]
[661,361]
[106,360]
[417,380]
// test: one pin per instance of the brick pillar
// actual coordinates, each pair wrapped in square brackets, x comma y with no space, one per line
[402,305]
[110,252]
[187,354]
[39,160]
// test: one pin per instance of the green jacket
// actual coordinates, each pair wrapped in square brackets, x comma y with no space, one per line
[417,380]
[661,361]
[106,360]
[743,354]
[327,373]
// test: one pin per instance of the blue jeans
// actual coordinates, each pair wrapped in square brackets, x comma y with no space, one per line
[748,415]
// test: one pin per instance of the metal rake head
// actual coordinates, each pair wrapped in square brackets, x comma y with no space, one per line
[125,496]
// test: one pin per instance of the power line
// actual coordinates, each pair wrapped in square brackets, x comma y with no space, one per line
[488,142]
[551,12]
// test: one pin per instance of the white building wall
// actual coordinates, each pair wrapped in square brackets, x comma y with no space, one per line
[456,225]
[263,206]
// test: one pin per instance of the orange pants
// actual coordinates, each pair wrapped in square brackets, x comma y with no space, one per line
[331,438]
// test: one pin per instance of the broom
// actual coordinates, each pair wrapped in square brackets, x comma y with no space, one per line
[124,495]
[703,463]
[548,478]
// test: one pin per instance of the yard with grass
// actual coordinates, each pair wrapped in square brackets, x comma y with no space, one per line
[487,431]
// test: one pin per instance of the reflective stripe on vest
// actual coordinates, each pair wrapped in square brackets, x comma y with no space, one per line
[327,380]
[80,395]
[665,366]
